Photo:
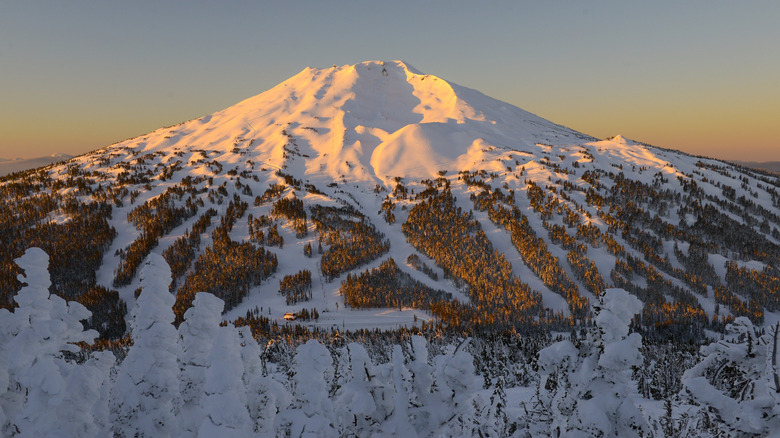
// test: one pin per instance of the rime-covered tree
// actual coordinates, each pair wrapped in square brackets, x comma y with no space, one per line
[736,382]
[589,391]
[197,333]
[312,412]
[44,386]
[147,391]
[224,403]
[354,400]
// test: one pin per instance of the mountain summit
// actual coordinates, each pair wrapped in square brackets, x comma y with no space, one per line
[370,121]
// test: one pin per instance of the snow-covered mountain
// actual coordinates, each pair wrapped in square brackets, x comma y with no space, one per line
[366,122]
[558,215]
[560,284]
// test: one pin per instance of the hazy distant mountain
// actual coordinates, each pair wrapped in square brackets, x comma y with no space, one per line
[769,166]
[8,166]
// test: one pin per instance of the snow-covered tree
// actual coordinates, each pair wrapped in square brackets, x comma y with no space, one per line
[266,397]
[197,334]
[456,381]
[398,424]
[490,419]
[224,404]
[427,410]
[47,387]
[736,382]
[354,400]
[312,412]
[589,391]
[147,387]
[85,407]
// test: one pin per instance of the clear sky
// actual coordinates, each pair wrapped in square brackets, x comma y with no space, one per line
[699,76]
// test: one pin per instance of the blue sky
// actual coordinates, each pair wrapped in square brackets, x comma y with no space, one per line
[699,76]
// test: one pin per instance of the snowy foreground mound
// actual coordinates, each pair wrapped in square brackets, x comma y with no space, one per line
[207,380]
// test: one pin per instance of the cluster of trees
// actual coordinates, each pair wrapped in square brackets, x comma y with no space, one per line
[388,286]
[416,263]
[154,218]
[388,207]
[353,240]
[296,287]
[586,271]
[292,209]
[107,310]
[272,192]
[273,238]
[452,238]
[227,269]
[533,249]
[761,287]
[213,379]
[182,252]
[307,314]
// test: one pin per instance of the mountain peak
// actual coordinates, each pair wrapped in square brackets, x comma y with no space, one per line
[369,121]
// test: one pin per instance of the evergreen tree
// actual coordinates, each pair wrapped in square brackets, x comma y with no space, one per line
[146,393]
[312,366]
[41,388]
[197,333]
[224,404]
[589,392]
[354,399]
[736,382]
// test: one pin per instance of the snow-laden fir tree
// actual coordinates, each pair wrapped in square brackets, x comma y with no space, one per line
[457,382]
[312,413]
[146,392]
[398,424]
[736,382]
[588,391]
[354,400]
[42,393]
[224,403]
[197,333]
[265,396]
[427,410]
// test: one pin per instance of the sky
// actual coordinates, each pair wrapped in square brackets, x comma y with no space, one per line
[698,76]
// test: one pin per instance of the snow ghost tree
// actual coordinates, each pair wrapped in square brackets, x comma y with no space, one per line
[224,404]
[588,391]
[265,396]
[312,412]
[456,381]
[354,400]
[736,383]
[146,392]
[197,334]
[399,422]
[52,396]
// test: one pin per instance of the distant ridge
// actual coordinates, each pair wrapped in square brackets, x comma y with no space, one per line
[9,166]
[769,166]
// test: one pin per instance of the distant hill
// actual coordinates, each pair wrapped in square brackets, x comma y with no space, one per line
[769,166]
[8,166]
